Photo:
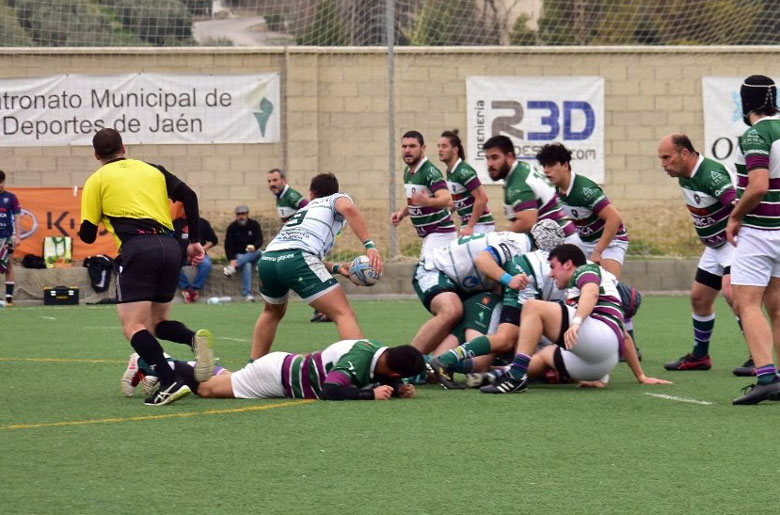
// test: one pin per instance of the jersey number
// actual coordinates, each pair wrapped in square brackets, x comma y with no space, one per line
[296,219]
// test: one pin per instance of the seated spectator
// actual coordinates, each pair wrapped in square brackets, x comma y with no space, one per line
[190,288]
[243,242]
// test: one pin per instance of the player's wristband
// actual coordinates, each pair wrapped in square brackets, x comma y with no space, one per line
[336,270]
[576,320]
[369,244]
[506,279]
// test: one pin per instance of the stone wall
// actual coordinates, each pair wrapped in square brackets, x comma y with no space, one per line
[335,118]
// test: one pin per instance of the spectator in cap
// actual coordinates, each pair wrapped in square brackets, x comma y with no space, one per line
[243,242]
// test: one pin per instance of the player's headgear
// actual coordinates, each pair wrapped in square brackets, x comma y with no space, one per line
[547,234]
[757,92]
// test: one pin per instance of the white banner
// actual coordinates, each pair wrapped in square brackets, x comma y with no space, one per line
[723,123]
[147,108]
[534,111]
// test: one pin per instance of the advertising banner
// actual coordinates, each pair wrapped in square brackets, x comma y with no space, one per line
[534,111]
[56,212]
[147,108]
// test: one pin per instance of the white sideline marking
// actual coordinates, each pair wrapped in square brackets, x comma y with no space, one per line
[679,399]
[49,318]
[233,339]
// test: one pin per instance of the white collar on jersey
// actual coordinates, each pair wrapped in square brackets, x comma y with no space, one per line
[284,190]
[422,161]
[511,170]
[698,165]
[457,164]
[571,183]
[374,361]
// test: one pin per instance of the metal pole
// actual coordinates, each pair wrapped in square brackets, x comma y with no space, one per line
[390,29]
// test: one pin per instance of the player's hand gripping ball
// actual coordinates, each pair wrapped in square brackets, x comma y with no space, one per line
[361,272]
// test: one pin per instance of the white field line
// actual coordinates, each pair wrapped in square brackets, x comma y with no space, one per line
[679,399]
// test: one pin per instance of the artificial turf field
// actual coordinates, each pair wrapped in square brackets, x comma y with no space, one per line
[70,442]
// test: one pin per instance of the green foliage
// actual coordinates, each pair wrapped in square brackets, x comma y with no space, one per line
[11,32]
[68,23]
[521,35]
[327,27]
[658,22]
[450,23]
[274,21]
[160,22]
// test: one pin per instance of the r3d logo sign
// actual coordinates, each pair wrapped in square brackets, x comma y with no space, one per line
[552,117]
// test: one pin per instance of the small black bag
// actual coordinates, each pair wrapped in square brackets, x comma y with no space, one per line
[99,269]
[31,261]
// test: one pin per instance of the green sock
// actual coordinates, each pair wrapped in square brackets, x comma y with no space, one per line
[477,347]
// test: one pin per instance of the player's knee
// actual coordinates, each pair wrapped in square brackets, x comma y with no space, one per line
[501,343]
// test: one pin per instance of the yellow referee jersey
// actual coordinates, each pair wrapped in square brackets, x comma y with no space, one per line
[129,197]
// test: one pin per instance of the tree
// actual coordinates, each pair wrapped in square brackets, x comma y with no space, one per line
[451,22]
[326,28]
[11,32]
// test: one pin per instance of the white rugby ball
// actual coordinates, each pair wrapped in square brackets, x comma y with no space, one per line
[360,270]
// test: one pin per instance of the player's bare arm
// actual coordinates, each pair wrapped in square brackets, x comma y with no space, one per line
[441,198]
[399,215]
[355,220]
[612,221]
[589,296]
[486,263]
[524,220]
[632,360]
[480,202]
[758,185]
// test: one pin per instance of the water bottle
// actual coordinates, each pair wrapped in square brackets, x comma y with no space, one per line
[219,300]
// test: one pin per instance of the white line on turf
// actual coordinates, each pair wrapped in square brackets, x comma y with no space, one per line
[233,339]
[679,399]
[49,318]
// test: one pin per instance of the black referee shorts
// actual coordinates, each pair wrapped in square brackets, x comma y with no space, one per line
[148,269]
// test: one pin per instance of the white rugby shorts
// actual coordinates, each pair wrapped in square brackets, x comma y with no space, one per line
[616,250]
[756,258]
[596,352]
[261,379]
[715,261]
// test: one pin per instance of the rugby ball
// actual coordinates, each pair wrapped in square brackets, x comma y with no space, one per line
[360,271]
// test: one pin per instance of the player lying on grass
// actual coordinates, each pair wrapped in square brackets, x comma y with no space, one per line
[588,329]
[345,370]
[448,273]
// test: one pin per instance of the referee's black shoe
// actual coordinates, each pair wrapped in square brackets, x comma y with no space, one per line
[755,393]
[169,394]
[746,370]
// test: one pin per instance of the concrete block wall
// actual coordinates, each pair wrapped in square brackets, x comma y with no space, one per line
[335,118]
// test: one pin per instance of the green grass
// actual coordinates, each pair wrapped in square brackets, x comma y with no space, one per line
[555,449]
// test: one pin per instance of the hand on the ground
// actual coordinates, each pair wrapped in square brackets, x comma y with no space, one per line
[592,384]
[653,380]
[383,392]
[406,391]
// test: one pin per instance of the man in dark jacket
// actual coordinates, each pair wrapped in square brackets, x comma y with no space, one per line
[190,288]
[243,242]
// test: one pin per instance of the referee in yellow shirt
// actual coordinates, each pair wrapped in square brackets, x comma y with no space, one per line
[130,198]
